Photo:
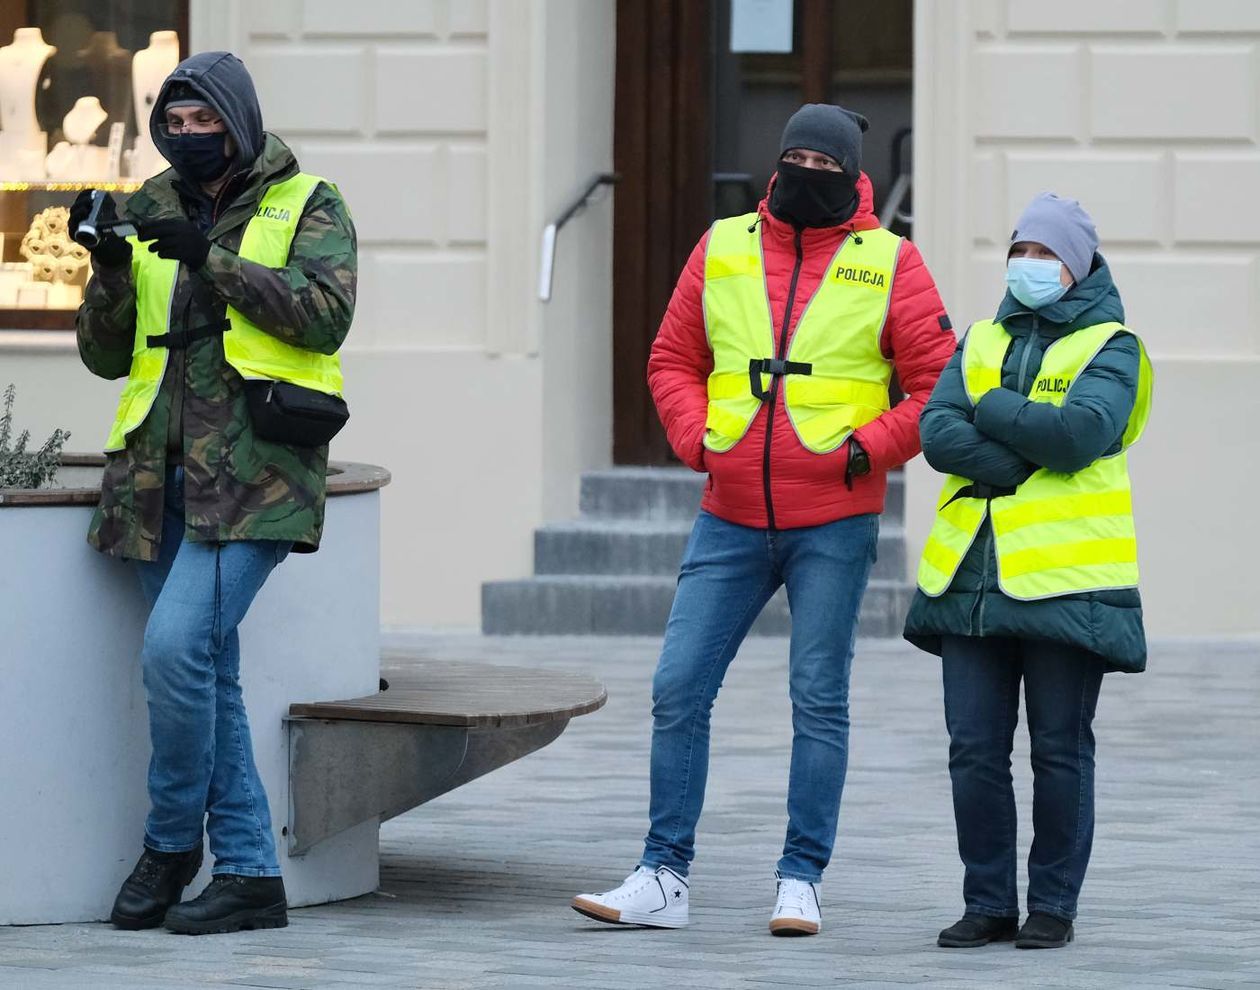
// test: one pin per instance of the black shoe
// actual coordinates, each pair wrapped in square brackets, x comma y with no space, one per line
[1044,931]
[231,903]
[974,930]
[157,883]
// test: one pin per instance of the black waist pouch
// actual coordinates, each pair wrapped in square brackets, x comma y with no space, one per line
[286,413]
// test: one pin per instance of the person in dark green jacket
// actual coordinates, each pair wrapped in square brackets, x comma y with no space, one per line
[1058,645]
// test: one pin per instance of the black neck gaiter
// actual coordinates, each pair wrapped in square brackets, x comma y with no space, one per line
[201,157]
[813,197]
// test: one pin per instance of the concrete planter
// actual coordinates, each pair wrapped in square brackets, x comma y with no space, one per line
[73,722]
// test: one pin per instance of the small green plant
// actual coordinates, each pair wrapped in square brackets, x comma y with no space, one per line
[22,468]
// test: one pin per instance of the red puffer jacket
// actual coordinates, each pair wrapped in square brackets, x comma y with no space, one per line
[779,483]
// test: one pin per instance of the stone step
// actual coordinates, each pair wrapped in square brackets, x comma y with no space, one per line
[639,606]
[655,547]
[674,493]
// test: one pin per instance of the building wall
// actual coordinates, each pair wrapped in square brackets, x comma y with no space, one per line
[1147,112]
[455,129]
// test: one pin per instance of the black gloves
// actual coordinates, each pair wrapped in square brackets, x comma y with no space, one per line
[111,251]
[176,239]
[859,463]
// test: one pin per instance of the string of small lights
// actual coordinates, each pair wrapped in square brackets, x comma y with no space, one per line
[68,186]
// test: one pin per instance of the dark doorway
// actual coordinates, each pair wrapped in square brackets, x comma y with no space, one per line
[696,137]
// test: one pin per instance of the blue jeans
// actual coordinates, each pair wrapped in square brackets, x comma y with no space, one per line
[1061,686]
[203,760]
[728,574]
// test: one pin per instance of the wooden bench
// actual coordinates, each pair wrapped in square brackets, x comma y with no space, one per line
[435,726]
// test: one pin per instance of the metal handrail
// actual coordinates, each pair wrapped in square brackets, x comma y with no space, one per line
[902,186]
[547,262]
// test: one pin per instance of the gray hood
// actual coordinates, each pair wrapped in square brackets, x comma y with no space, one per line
[222,79]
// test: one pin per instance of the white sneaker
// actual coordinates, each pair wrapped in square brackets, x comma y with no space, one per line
[655,898]
[798,910]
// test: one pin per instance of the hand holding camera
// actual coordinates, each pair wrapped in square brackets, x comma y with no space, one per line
[94,223]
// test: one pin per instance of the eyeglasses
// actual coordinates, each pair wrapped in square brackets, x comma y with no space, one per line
[198,125]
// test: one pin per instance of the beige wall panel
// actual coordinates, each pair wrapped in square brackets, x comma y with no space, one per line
[414,300]
[1162,94]
[311,90]
[1198,529]
[468,17]
[1087,16]
[1028,92]
[465,196]
[1216,198]
[394,193]
[1218,16]
[389,18]
[987,286]
[991,226]
[987,17]
[1126,194]
[426,91]
[577,322]
[463,502]
[55,391]
[275,18]
[1190,307]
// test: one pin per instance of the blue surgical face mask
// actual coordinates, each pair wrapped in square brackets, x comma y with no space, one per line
[1035,281]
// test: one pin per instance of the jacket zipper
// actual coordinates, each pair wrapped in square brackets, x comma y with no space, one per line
[774,381]
[978,615]
[1023,361]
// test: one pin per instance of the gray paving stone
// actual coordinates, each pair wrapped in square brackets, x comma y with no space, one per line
[475,885]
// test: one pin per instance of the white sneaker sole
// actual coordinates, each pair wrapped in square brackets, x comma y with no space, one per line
[793,926]
[600,912]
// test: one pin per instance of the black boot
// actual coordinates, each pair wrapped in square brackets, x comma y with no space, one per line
[1044,931]
[157,883]
[231,903]
[974,930]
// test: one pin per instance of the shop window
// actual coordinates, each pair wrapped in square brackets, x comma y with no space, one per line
[77,82]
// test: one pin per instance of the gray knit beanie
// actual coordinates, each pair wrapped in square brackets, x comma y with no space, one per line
[180,94]
[1064,227]
[829,129]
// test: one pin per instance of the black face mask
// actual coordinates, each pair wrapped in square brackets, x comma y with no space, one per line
[202,157]
[813,197]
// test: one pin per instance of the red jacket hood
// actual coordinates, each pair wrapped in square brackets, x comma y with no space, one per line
[863,218]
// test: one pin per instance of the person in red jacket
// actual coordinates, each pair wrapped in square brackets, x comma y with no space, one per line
[771,372]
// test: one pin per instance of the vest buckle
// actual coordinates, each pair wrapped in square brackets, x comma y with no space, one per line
[776,367]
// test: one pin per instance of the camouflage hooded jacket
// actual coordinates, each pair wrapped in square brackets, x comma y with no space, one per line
[237,486]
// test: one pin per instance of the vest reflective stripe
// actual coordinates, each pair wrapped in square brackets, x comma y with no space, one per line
[1058,534]
[957,523]
[838,334]
[247,348]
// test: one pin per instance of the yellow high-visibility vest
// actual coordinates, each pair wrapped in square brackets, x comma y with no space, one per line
[835,374]
[1058,534]
[248,348]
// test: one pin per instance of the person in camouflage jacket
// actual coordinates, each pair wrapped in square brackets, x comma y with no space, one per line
[206,507]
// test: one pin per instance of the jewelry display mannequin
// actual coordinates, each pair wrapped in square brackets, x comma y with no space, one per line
[149,68]
[76,159]
[22,144]
[84,119]
[105,68]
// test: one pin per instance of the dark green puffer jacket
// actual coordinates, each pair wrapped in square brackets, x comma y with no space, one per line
[1001,441]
